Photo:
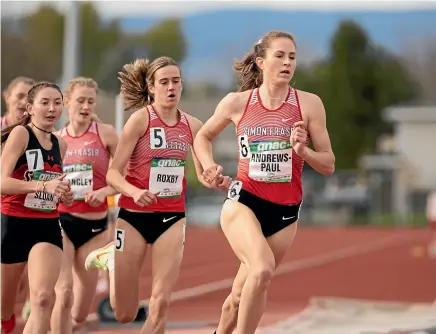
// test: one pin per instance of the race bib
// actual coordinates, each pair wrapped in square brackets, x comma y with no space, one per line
[166,177]
[80,177]
[42,201]
[271,161]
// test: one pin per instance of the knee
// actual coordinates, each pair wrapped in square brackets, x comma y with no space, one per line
[65,298]
[79,313]
[112,302]
[79,318]
[158,306]
[43,300]
[123,313]
[126,313]
[124,316]
[262,275]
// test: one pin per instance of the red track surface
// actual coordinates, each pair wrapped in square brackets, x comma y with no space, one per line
[390,273]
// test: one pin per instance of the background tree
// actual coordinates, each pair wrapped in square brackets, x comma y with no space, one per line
[97,39]
[166,39]
[356,82]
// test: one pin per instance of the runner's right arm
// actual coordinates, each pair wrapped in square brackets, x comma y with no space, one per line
[13,149]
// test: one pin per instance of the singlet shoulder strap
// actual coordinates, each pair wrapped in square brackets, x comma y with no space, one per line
[183,118]
[292,97]
[31,133]
[54,139]
[93,128]
[151,112]
[254,97]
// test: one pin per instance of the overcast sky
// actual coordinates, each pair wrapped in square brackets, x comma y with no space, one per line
[114,9]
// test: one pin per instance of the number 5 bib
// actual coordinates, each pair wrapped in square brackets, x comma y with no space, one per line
[270,161]
[166,177]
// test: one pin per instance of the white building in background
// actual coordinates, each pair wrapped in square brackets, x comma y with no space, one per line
[410,155]
[415,136]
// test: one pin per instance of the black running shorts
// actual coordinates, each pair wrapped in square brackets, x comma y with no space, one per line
[20,234]
[80,230]
[271,216]
[151,225]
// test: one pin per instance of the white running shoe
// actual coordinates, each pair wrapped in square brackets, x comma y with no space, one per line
[101,257]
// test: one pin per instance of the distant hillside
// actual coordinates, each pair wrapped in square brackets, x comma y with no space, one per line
[216,38]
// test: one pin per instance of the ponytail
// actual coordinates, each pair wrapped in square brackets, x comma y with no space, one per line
[250,76]
[6,131]
[134,85]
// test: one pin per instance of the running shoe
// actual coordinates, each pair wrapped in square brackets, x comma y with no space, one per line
[25,313]
[101,257]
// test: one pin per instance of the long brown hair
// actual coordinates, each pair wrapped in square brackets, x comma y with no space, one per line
[250,76]
[30,99]
[136,78]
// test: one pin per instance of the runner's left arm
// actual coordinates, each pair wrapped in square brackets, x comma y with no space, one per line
[322,158]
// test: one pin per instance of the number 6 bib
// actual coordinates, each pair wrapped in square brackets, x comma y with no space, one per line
[166,177]
[271,161]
